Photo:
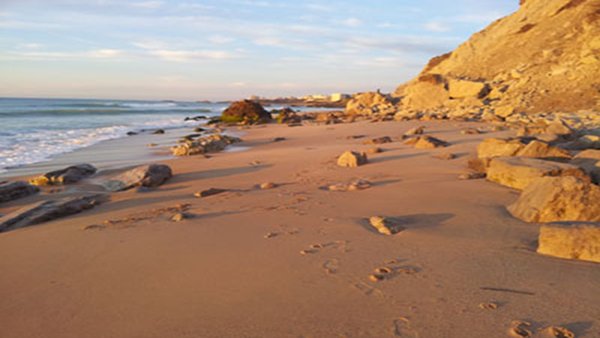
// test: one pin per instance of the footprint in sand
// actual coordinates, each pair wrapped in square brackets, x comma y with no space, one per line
[560,332]
[488,306]
[308,252]
[331,266]
[402,328]
[366,289]
[381,274]
[271,235]
[520,329]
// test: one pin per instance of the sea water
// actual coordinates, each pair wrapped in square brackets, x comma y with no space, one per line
[35,130]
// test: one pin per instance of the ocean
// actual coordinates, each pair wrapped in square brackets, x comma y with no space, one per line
[35,130]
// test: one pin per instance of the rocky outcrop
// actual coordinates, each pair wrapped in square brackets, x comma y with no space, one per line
[67,175]
[570,241]
[352,159]
[14,190]
[370,103]
[246,111]
[149,176]
[558,199]
[539,149]
[496,147]
[49,210]
[543,58]
[287,116]
[203,145]
[519,172]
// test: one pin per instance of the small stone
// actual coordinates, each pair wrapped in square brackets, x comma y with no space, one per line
[488,306]
[209,192]
[379,140]
[385,226]
[471,176]
[271,235]
[374,150]
[178,217]
[560,332]
[445,156]
[158,132]
[268,185]
[414,131]
[279,139]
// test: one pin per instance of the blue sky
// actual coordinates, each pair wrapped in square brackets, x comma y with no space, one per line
[225,49]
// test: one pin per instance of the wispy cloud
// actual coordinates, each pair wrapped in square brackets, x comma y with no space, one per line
[191,55]
[148,4]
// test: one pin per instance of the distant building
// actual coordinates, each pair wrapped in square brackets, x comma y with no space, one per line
[336,97]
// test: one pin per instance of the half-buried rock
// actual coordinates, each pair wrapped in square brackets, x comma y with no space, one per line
[558,199]
[67,175]
[149,176]
[14,190]
[49,210]
[426,142]
[570,241]
[519,172]
[386,226]
[352,159]
[207,144]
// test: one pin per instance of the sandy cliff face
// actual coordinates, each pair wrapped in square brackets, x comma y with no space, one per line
[543,58]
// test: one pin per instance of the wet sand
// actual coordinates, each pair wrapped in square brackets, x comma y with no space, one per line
[295,260]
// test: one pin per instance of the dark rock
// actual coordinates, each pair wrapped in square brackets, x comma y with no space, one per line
[151,175]
[195,118]
[131,133]
[199,130]
[158,132]
[67,175]
[245,111]
[287,115]
[379,140]
[49,210]
[279,139]
[15,190]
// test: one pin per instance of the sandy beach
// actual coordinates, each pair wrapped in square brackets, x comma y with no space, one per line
[295,260]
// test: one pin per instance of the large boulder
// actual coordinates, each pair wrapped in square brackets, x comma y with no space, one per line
[151,175]
[369,103]
[496,147]
[207,144]
[558,199]
[48,210]
[460,89]
[570,241]
[14,190]
[245,111]
[352,159]
[519,172]
[539,149]
[589,161]
[67,175]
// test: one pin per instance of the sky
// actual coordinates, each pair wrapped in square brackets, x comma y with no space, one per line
[226,49]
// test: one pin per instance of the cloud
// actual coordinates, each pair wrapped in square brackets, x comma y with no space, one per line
[190,55]
[148,4]
[436,26]
[351,22]
[220,39]
[105,53]
[57,56]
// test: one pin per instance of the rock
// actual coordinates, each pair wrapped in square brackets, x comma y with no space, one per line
[209,192]
[67,175]
[559,128]
[352,186]
[131,133]
[379,140]
[414,131]
[369,103]
[287,115]
[570,241]
[195,118]
[267,185]
[151,175]
[471,176]
[208,144]
[374,150]
[558,199]
[385,225]
[245,111]
[583,142]
[459,89]
[199,130]
[178,217]
[49,210]
[470,131]
[14,190]
[428,142]
[519,172]
[495,147]
[158,132]
[279,139]
[538,149]
[352,159]
[445,156]
[589,161]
